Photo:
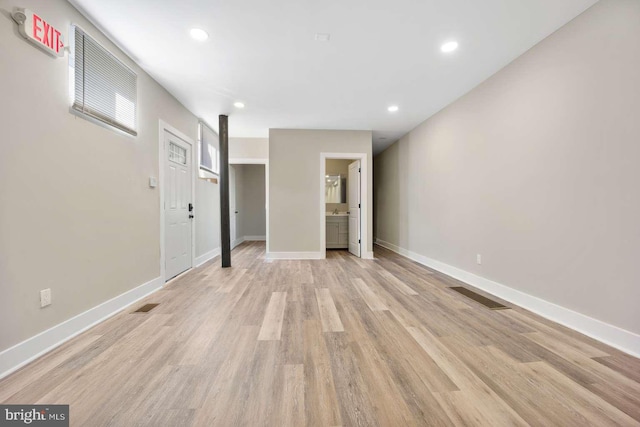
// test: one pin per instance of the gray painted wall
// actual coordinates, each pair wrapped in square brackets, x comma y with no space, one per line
[77,214]
[254,214]
[537,170]
[295,182]
[207,216]
[248,148]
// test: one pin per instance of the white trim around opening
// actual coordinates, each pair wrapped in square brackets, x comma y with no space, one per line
[265,162]
[364,201]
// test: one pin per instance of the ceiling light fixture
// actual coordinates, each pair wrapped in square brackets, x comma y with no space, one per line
[199,34]
[322,37]
[449,47]
[238,104]
[393,109]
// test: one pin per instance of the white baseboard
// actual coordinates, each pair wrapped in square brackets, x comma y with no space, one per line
[206,257]
[367,255]
[614,336]
[294,255]
[20,354]
[237,242]
[255,238]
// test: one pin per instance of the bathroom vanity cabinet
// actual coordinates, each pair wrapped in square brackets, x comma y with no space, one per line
[337,231]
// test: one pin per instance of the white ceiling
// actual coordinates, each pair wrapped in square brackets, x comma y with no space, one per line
[381,52]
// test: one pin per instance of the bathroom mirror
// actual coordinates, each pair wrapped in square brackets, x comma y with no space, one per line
[335,189]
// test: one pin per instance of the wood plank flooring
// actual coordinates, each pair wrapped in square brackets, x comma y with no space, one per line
[342,341]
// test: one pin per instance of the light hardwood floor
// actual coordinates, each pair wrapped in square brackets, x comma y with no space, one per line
[341,341]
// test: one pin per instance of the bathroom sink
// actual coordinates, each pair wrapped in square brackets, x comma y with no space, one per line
[338,214]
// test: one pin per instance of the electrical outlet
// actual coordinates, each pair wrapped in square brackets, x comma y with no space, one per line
[479,259]
[45,297]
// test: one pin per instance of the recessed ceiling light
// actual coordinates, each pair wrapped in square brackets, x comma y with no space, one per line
[393,109]
[238,104]
[199,34]
[322,37]
[449,47]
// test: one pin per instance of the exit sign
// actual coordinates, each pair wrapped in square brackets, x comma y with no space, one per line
[39,31]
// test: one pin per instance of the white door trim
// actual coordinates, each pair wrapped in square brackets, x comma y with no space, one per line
[364,201]
[355,212]
[265,162]
[162,128]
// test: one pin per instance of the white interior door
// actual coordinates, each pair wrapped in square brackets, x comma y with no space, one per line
[233,207]
[177,205]
[353,182]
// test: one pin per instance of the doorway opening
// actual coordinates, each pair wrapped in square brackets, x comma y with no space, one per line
[343,221]
[247,202]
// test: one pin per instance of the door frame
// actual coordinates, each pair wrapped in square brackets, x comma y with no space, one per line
[364,201]
[162,128]
[265,162]
[351,205]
